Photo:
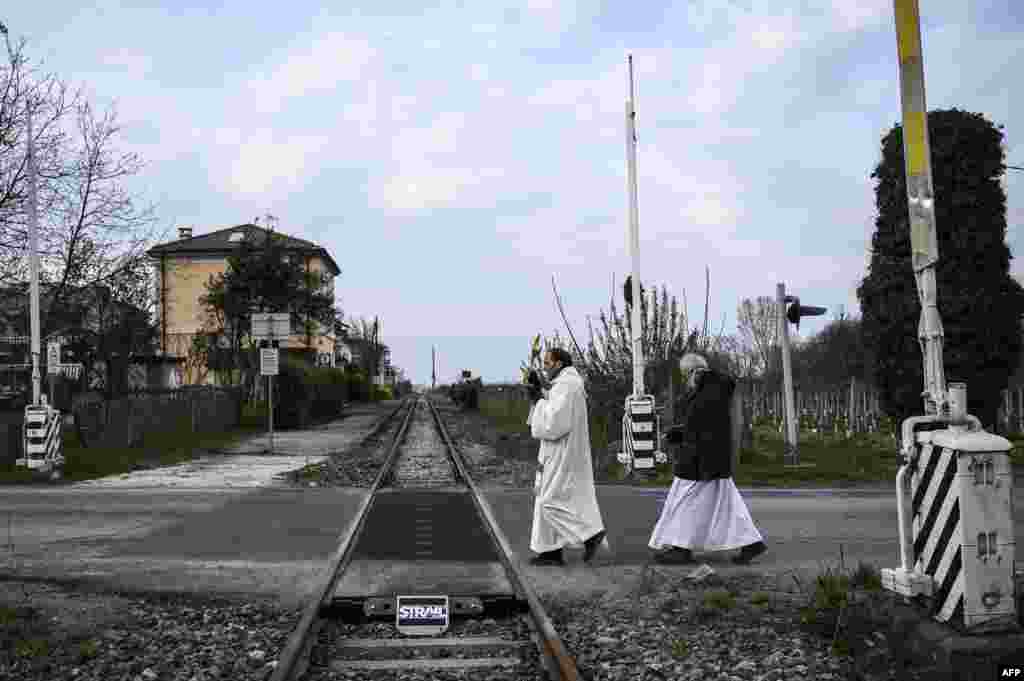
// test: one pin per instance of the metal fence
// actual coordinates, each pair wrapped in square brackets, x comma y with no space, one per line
[854,409]
[123,421]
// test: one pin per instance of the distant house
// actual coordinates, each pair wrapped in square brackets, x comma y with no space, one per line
[95,309]
[356,350]
[182,269]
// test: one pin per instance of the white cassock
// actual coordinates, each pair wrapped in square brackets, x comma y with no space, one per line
[565,511]
[704,516]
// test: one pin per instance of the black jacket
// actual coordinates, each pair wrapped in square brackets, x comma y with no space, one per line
[702,444]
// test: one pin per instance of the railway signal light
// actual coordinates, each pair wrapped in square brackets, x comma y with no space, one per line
[795,310]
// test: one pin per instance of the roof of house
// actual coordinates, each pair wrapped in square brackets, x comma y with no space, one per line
[220,243]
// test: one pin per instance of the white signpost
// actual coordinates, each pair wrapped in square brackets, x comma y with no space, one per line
[52,358]
[268,361]
[271,327]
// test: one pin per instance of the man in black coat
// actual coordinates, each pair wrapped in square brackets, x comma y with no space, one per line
[704,510]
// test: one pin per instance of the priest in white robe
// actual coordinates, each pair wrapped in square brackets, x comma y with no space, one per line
[565,511]
[704,510]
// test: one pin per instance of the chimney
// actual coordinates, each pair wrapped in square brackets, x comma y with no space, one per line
[185,232]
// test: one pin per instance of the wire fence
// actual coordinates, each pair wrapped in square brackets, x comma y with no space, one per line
[855,409]
[121,422]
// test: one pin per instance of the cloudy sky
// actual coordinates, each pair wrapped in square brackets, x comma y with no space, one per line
[454,156]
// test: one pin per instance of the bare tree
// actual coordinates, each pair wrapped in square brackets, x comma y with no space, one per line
[741,357]
[101,231]
[92,232]
[758,328]
[366,334]
[25,88]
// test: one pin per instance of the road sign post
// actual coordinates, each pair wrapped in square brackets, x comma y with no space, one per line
[269,368]
[268,327]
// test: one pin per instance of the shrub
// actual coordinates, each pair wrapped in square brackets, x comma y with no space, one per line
[330,391]
[293,394]
[358,386]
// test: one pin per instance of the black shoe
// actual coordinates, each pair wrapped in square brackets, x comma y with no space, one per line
[749,552]
[590,546]
[549,558]
[674,556]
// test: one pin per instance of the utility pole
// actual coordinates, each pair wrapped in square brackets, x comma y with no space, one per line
[33,247]
[433,367]
[791,456]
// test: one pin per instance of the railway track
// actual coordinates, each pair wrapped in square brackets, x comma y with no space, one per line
[423,584]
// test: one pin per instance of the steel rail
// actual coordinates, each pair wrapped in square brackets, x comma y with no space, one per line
[299,641]
[558,663]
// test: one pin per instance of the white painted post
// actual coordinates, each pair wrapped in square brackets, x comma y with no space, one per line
[270,380]
[270,396]
[1020,410]
[33,245]
[791,457]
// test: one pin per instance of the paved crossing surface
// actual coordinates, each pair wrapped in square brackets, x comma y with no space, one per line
[273,540]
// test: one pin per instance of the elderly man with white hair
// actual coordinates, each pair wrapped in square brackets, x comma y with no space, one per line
[704,511]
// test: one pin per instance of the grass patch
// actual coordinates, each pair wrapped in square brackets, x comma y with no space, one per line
[720,600]
[88,649]
[863,458]
[852,612]
[157,449]
[508,416]
[680,649]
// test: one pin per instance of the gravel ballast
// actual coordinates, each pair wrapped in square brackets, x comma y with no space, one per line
[664,627]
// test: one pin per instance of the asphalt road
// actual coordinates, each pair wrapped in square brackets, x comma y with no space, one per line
[276,540]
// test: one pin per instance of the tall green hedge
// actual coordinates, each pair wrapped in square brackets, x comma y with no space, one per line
[303,393]
[358,386]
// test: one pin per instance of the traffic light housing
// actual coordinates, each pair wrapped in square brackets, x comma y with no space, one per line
[795,311]
[627,290]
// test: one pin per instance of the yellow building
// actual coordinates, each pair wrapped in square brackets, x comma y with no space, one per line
[182,269]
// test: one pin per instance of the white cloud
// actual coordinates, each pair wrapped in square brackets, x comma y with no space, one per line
[423,188]
[402,107]
[857,15]
[132,63]
[315,69]
[257,162]
[478,72]
[441,137]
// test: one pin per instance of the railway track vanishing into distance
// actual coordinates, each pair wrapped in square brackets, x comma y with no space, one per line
[423,584]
